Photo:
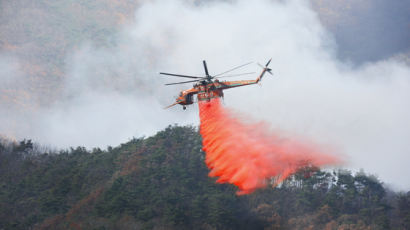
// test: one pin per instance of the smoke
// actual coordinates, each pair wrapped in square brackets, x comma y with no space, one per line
[247,155]
[366,30]
[111,93]
[362,110]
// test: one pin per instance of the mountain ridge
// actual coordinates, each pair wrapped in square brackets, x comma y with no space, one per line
[161,182]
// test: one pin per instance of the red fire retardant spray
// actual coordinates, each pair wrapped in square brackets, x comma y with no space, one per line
[248,155]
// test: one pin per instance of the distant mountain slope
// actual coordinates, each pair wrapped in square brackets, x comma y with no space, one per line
[161,182]
[40,34]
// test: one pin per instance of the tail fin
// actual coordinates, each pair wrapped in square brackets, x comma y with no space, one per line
[265,69]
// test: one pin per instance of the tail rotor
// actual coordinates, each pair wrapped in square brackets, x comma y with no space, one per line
[269,70]
[265,69]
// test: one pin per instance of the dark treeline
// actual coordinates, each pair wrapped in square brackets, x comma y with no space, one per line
[161,182]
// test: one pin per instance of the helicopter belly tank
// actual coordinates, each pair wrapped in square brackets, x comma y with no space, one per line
[206,96]
[189,99]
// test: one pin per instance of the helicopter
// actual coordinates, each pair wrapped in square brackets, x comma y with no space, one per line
[209,87]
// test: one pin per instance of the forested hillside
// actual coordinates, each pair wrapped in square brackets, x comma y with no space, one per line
[161,182]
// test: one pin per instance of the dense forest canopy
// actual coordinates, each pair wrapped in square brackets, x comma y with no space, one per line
[162,182]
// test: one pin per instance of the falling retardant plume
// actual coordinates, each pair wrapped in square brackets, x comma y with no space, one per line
[247,155]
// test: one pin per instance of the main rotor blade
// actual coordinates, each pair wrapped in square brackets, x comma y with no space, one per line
[233,69]
[235,75]
[169,106]
[182,82]
[179,75]
[206,68]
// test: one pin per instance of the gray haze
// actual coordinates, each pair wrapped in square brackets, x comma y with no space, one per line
[113,93]
[366,30]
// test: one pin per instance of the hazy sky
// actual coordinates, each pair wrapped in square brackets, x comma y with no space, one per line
[366,30]
[114,93]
